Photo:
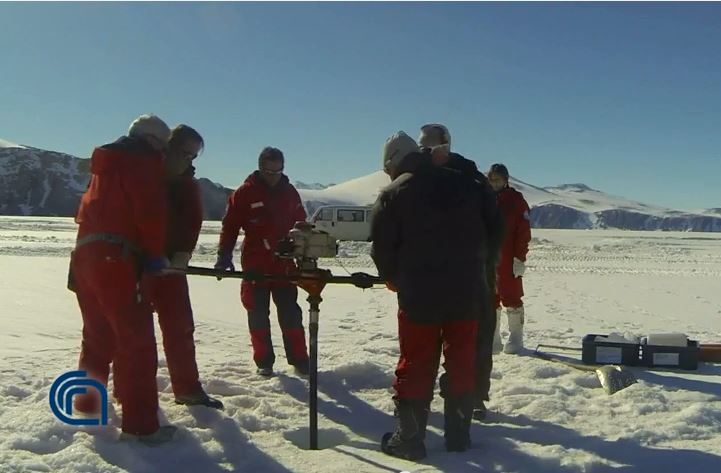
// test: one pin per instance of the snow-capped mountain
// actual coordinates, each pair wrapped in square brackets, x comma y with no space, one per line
[315,186]
[579,206]
[34,181]
[565,206]
[215,198]
[38,182]
[359,191]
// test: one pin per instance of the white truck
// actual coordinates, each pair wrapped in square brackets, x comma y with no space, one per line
[344,222]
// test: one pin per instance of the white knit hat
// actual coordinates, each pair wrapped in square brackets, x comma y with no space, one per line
[150,125]
[397,147]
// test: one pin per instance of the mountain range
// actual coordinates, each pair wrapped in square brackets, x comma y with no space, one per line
[34,181]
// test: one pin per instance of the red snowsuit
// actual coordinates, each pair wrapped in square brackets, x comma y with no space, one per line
[266,215]
[509,289]
[169,294]
[122,218]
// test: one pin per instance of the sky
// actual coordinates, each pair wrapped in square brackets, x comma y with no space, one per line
[624,97]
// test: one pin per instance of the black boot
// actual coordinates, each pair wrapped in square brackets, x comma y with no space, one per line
[302,368]
[407,440]
[458,413]
[480,410]
[199,399]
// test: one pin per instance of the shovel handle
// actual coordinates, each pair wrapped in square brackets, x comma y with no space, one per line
[570,364]
[557,347]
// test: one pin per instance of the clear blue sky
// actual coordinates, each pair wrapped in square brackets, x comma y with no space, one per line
[624,97]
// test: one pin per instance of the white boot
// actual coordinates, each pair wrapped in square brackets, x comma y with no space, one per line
[515,326]
[497,343]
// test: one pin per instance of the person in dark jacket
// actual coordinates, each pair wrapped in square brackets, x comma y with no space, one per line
[428,244]
[436,140]
[169,294]
[266,207]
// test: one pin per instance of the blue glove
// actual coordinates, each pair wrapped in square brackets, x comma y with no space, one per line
[156,265]
[225,261]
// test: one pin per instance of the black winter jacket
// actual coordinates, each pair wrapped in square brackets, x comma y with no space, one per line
[429,240]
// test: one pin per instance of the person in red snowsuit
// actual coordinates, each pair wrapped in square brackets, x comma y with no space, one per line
[169,293]
[512,263]
[122,222]
[266,207]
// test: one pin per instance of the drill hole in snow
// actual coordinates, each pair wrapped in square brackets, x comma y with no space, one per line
[327,438]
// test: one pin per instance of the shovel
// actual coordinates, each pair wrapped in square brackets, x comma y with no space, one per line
[613,378]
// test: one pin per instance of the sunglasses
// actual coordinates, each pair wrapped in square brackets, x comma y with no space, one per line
[272,172]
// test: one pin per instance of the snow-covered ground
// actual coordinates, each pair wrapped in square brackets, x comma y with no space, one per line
[547,418]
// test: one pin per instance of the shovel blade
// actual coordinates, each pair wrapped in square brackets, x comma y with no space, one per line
[615,378]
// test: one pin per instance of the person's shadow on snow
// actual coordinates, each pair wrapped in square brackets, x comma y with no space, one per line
[371,423]
[238,450]
[344,408]
[623,455]
[496,444]
[186,454]
[674,380]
